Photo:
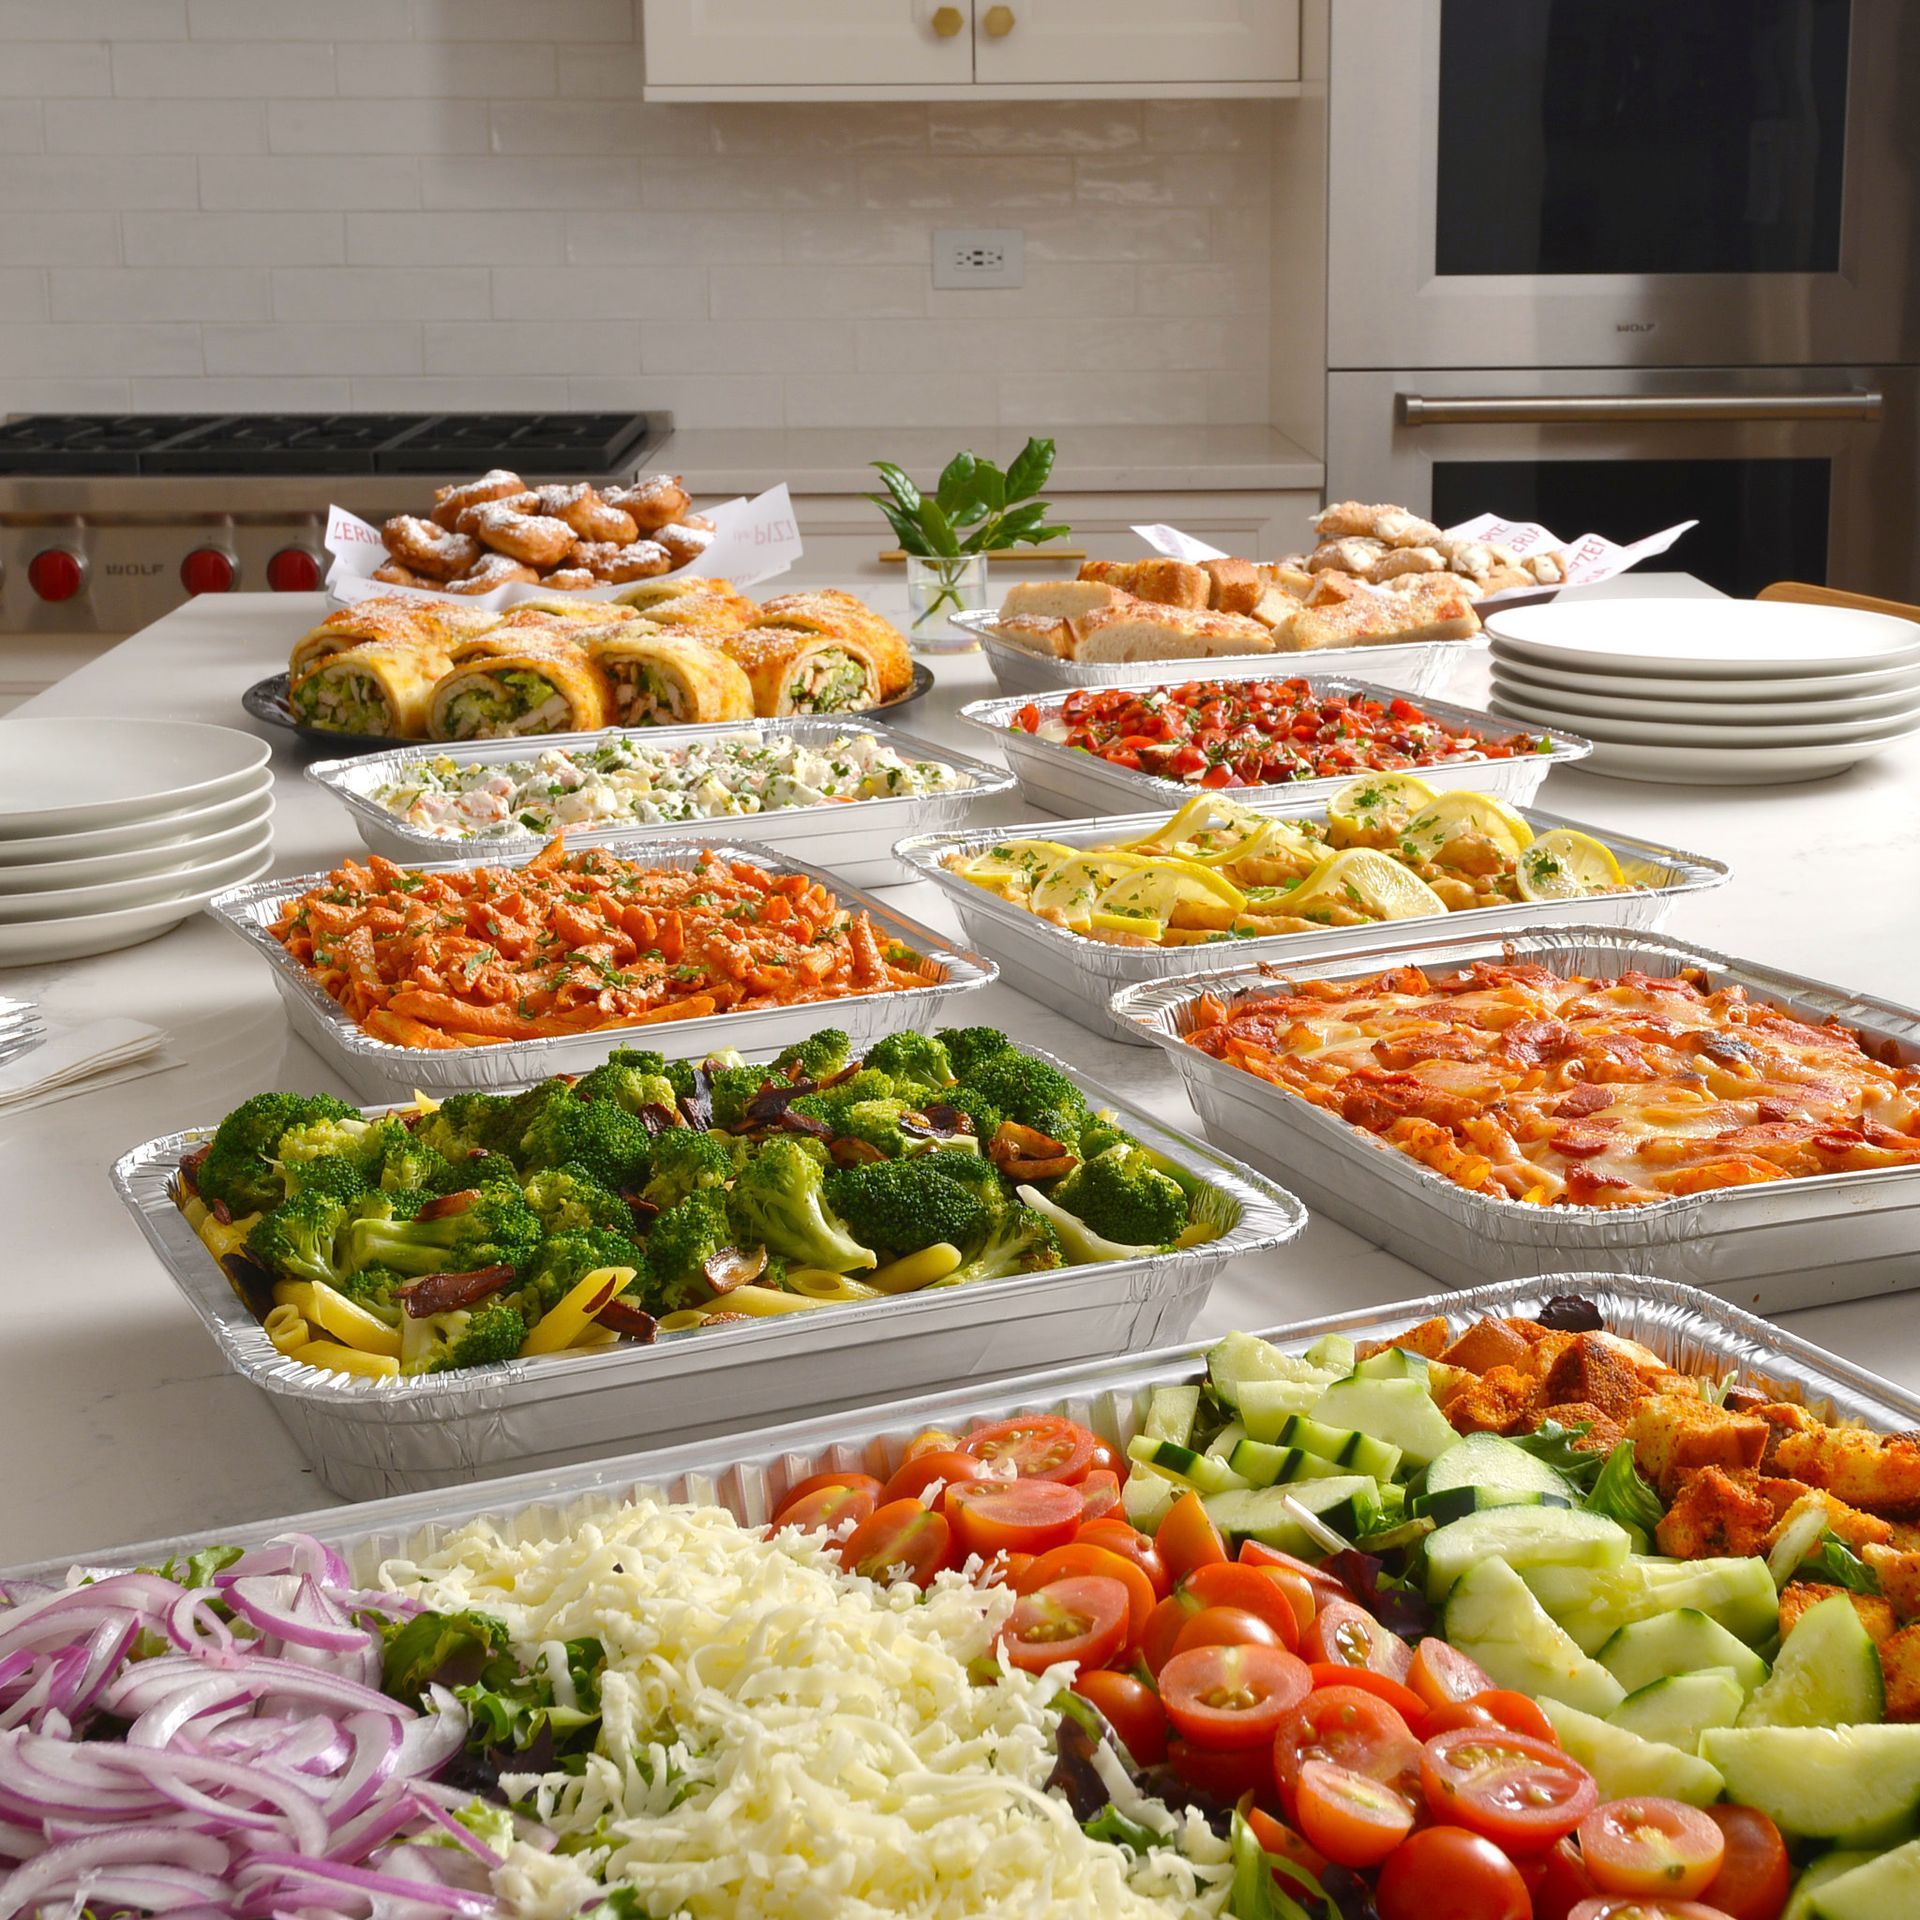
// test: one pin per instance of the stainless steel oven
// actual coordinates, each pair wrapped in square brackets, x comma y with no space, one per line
[1794,473]
[1618,183]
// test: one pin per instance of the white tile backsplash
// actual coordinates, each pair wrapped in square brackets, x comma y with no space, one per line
[465,203]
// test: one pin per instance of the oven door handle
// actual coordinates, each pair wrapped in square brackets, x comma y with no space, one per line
[1579,409]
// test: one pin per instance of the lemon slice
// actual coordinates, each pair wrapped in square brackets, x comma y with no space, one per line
[1071,887]
[1142,925]
[1201,815]
[1015,859]
[1563,864]
[1448,815]
[1157,887]
[1366,879]
[1378,800]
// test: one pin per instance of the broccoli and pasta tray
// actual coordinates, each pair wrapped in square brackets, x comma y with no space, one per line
[655,1196]
[1556,1090]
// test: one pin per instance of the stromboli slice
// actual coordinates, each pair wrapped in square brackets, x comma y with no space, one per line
[795,672]
[656,677]
[383,688]
[833,613]
[388,620]
[545,685]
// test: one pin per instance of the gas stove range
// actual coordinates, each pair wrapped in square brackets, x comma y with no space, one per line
[107,521]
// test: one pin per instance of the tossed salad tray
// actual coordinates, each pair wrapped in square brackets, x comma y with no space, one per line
[1585,1720]
[1773,1245]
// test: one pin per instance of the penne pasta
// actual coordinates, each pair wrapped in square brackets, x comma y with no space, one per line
[763,1302]
[334,1358]
[915,1270]
[286,1329]
[816,1283]
[351,1324]
[563,1323]
[681,1320]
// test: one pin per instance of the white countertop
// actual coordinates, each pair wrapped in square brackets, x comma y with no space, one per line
[728,460]
[119,1420]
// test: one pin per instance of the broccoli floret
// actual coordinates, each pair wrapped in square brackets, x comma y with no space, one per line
[917,1057]
[569,1200]
[324,1137]
[969,1048]
[975,1172]
[778,1201]
[900,1206]
[1032,1094]
[333,1174]
[1022,1241]
[476,1337]
[1100,1133]
[733,1087]
[1121,1195]
[679,1244]
[832,1105]
[685,1160]
[603,1139]
[497,1229]
[239,1169]
[376,1289]
[821,1055]
[877,1122]
[626,1083]
[565,1259]
[464,1123]
[298,1239]
[395,1157]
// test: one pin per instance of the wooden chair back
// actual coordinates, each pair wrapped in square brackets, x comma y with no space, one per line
[1812,596]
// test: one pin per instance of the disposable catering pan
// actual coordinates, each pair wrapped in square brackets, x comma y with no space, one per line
[850,837]
[1408,666]
[380,1070]
[368,1437]
[750,1472]
[1069,781]
[1079,976]
[1777,1245]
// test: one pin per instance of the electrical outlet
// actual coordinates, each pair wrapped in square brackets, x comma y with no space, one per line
[979,257]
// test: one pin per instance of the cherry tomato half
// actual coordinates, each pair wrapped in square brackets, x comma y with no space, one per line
[1353,1729]
[915,1476]
[1403,1700]
[1447,1873]
[1630,1906]
[1226,1627]
[1755,1877]
[1440,1673]
[1187,1539]
[1345,1634]
[1129,1543]
[1131,1708]
[1559,1881]
[1225,1774]
[1651,1845]
[1081,1557]
[1015,1516]
[1518,1791]
[1164,1626]
[1081,1618]
[1040,1446]
[1351,1819]
[1232,1696]
[900,1541]
[826,1508]
[815,1481]
[1255,1553]
[1497,1707]
[1250,1590]
[932,1441]
[1275,1836]
[1099,1493]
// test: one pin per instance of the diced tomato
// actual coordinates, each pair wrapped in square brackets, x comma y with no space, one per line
[918,1474]
[1082,1618]
[900,1541]
[1131,1708]
[1039,1446]
[1344,1634]
[1232,1696]
[1080,1556]
[1187,1539]
[1353,1820]
[1254,1590]
[1023,1516]
[1518,1791]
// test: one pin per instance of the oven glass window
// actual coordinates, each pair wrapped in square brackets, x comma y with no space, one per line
[1760,520]
[1641,136]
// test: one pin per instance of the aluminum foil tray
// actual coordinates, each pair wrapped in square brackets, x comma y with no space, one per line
[751,1472]
[851,838]
[1078,976]
[1775,1246]
[1412,666]
[369,1437]
[379,1070]
[1067,781]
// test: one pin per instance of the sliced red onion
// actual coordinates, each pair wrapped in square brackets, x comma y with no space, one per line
[459,1833]
[282,1605]
[58,1869]
[332,1873]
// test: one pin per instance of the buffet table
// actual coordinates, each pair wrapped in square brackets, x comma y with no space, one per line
[117,1412]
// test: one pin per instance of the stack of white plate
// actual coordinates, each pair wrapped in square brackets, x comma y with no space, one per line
[1711,692]
[112,831]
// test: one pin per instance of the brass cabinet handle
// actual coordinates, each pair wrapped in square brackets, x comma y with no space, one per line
[947,21]
[1574,409]
[998,22]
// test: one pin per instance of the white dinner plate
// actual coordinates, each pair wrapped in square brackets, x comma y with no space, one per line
[1655,733]
[1728,766]
[1720,713]
[63,903]
[1572,678]
[30,943]
[143,862]
[64,774]
[1706,639]
[162,830]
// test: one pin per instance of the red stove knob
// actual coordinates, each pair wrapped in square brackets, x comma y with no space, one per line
[293,570]
[57,573]
[207,570]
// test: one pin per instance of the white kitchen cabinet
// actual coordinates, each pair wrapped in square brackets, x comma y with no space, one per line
[1066,42]
[970,49]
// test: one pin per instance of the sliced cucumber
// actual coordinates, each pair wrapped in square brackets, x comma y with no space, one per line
[1856,1785]
[1681,1707]
[1455,1503]
[1828,1868]
[1171,1414]
[1886,1887]
[1267,1405]
[1241,1358]
[1201,1470]
[1624,1766]
[1261,1465]
[1399,1411]
[1492,1617]
[1396,1363]
[1826,1674]
[1349,1504]
[1357,1452]
[1145,1498]
[1488,1464]
[1684,1641]
[1592,1603]
[1222,1444]
[1334,1351]
[1523,1537]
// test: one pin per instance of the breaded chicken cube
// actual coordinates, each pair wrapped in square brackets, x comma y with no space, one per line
[1485,1345]
[1676,1434]
[1898,1571]
[1714,1513]
[1501,1401]
[1603,1432]
[1592,1371]
[1900,1671]
[1883,1476]
[1429,1340]
[1847,1524]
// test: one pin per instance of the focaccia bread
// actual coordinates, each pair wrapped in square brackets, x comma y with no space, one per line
[1170,583]
[1140,630]
[1425,606]
[1056,600]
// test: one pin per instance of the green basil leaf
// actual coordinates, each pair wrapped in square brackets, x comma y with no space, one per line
[899,485]
[1031,466]
[939,532]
